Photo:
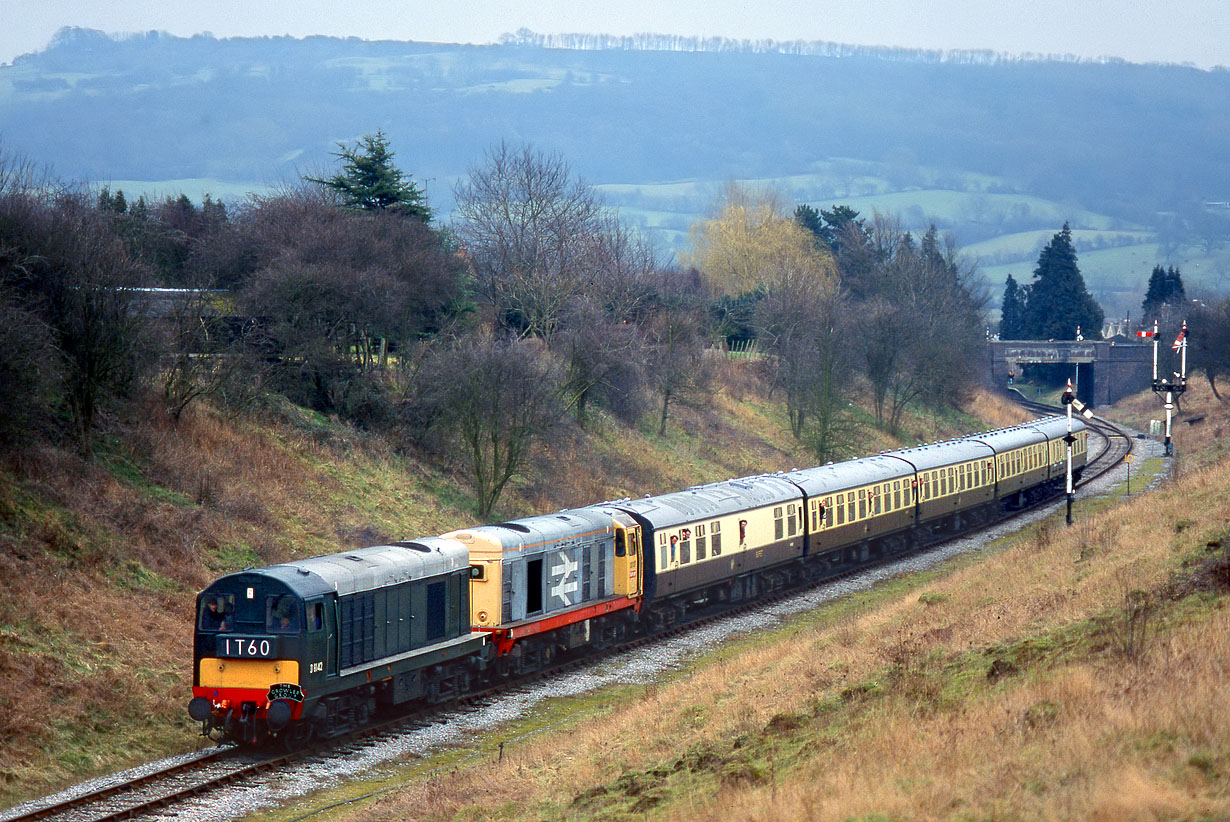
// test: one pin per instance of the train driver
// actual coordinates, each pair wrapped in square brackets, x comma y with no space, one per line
[212,618]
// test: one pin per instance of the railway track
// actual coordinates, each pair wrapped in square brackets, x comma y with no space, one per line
[1116,443]
[161,789]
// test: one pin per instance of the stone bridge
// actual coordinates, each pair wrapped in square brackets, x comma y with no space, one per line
[1102,372]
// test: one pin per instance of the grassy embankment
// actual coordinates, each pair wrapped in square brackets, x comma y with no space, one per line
[100,561]
[1069,673]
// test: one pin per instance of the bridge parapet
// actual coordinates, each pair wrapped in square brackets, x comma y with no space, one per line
[1104,370]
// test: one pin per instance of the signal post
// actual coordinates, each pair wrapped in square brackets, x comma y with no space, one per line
[1070,402]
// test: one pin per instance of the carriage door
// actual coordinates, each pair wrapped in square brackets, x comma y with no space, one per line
[627,565]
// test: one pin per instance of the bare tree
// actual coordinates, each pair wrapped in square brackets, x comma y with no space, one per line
[602,360]
[676,363]
[497,396]
[208,353]
[75,274]
[1210,341]
[527,225]
[335,288]
[920,315]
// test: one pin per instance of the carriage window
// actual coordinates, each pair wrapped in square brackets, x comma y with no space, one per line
[791,521]
[742,533]
[685,551]
[778,524]
[896,493]
[875,499]
[700,548]
[862,504]
[716,538]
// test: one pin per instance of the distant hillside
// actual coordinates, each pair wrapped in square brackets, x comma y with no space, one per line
[983,145]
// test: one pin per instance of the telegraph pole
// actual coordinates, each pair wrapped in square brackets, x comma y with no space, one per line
[1171,388]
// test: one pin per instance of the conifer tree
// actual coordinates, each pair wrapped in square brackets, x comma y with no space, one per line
[1155,294]
[1012,313]
[369,181]
[1165,288]
[1058,302]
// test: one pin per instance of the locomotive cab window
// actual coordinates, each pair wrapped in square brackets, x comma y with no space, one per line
[217,612]
[282,614]
[316,616]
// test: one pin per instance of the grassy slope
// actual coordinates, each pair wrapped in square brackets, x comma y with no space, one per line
[1069,674]
[100,562]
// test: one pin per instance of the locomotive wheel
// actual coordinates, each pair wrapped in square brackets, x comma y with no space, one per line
[297,737]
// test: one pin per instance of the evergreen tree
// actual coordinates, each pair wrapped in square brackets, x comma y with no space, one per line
[1058,302]
[809,218]
[836,223]
[1155,294]
[1165,288]
[1012,313]
[1175,293]
[369,181]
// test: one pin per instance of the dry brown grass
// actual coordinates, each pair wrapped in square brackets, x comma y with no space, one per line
[1053,680]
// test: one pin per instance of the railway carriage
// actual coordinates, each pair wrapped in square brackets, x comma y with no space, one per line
[854,506]
[1020,459]
[955,483]
[710,541]
[1056,453]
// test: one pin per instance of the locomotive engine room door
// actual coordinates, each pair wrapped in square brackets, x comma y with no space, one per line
[331,637]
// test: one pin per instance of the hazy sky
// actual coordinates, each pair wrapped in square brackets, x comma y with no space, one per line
[1175,31]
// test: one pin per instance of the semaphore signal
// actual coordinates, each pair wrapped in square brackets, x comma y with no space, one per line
[1171,388]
